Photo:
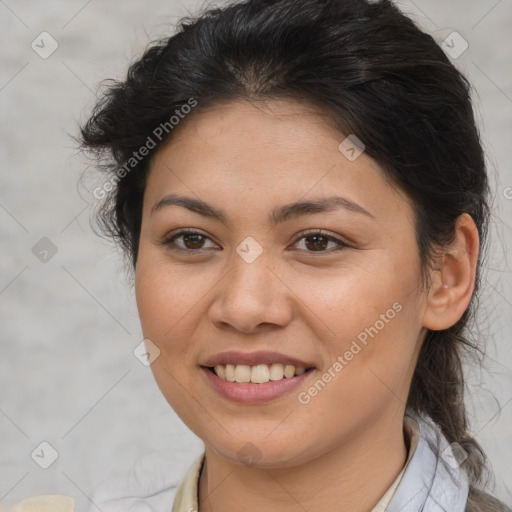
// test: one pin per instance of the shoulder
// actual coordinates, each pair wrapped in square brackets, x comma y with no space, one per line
[121,495]
[481,501]
[149,485]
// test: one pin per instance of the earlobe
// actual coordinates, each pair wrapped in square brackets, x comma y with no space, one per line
[453,281]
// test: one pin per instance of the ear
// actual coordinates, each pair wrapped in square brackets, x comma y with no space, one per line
[453,281]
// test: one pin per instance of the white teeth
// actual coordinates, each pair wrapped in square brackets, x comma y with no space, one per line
[276,371]
[242,373]
[221,371]
[230,372]
[289,371]
[259,374]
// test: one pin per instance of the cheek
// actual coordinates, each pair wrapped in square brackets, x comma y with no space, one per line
[373,321]
[164,299]
[171,301]
[160,289]
[354,298]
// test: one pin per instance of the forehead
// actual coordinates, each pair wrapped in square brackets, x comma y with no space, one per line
[269,153]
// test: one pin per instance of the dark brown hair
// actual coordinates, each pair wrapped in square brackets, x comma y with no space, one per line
[378,76]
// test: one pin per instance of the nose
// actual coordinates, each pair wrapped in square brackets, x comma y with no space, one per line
[251,297]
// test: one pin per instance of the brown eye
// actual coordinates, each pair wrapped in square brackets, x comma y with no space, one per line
[316,242]
[193,241]
[190,241]
[319,242]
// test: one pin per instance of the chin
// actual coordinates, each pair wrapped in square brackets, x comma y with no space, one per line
[262,453]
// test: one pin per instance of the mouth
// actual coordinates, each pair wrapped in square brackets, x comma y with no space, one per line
[256,367]
[264,390]
[257,374]
[255,377]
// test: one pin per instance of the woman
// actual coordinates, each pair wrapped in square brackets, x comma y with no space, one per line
[301,192]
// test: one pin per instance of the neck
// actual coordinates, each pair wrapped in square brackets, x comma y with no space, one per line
[352,477]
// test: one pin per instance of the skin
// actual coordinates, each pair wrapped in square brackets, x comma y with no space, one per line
[343,449]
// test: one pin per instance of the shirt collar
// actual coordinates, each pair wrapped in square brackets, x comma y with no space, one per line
[433,480]
[423,483]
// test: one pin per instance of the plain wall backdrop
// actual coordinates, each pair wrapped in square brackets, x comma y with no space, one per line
[69,322]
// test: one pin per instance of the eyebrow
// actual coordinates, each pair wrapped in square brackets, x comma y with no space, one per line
[276,216]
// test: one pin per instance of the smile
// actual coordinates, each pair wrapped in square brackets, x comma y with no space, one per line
[259,374]
[255,393]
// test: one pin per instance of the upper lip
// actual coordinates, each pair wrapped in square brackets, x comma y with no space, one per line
[254,358]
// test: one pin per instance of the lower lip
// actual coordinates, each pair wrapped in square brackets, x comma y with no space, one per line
[249,393]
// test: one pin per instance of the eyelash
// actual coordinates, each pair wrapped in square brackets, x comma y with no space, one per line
[169,241]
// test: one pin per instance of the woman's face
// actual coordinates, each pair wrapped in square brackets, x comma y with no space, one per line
[259,285]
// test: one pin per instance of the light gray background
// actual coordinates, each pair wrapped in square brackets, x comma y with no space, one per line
[69,326]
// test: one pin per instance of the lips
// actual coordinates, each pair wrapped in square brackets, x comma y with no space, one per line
[254,393]
[255,359]
[255,377]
